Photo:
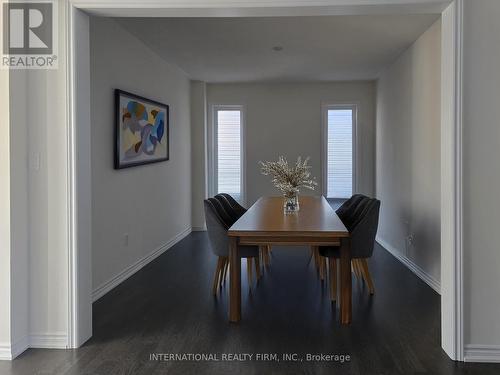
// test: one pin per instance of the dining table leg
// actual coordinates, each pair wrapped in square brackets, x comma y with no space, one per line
[234,281]
[345,281]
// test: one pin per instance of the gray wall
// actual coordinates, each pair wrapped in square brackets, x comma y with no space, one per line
[14,224]
[481,173]
[285,119]
[198,152]
[408,155]
[151,203]
[5,219]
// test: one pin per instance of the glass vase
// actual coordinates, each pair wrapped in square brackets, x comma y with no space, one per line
[291,203]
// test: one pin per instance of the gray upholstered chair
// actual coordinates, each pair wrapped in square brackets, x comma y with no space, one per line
[222,212]
[347,208]
[235,210]
[362,225]
[228,208]
[239,209]
[347,212]
[217,226]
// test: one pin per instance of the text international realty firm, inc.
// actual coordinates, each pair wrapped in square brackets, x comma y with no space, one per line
[247,357]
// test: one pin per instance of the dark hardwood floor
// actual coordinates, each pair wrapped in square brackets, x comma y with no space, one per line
[167,307]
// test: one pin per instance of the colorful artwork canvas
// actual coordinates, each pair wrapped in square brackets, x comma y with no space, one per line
[142,130]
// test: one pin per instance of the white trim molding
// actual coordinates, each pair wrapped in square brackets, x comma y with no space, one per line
[57,340]
[200,229]
[133,268]
[459,267]
[9,352]
[482,353]
[71,184]
[411,265]
[78,183]
[249,8]
[21,345]
[5,352]
[49,340]
[452,310]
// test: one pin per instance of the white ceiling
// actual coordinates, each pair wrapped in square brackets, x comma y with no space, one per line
[314,48]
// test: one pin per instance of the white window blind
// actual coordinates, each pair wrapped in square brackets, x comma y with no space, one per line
[228,162]
[339,153]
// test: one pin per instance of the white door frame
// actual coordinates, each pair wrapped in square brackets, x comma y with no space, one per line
[452,309]
[451,222]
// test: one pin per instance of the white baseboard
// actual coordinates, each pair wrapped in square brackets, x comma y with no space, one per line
[43,340]
[5,352]
[412,266]
[130,270]
[200,229]
[482,353]
[9,352]
[20,346]
[49,341]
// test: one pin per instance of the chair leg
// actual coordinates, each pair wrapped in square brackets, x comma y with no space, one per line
[322,267]
[257,268]
[315,254]
[335,279]
[367,276]
[311,256]
[332,265]
[318,260]
[263,255]
[224,270]
[218,269]
[221,271]
[361,271]
[249,271]
[356,268]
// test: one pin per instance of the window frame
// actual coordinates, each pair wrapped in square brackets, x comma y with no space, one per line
[324,143]
[213,149]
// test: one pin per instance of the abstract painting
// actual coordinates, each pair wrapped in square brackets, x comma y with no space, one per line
[141,133]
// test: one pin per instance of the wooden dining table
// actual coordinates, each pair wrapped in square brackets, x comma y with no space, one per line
[266,223]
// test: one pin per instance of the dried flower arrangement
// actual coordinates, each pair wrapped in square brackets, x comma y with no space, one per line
[289,179]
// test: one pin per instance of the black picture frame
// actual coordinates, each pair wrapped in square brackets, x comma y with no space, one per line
[118,164]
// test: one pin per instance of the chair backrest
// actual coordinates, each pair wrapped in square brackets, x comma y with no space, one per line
[348,206]
[216,228]
[365,230]
[352,217]
[222,212]
[228,208]
[236,206]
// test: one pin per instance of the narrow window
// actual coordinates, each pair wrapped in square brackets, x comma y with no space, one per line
[228,151]
[339,126]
